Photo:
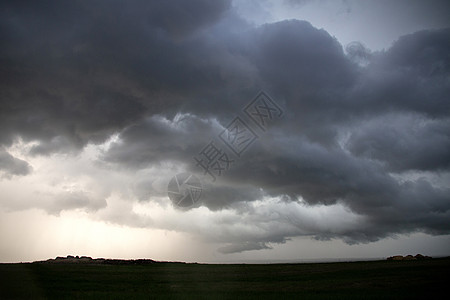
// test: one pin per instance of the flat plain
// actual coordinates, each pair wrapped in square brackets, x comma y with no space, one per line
[167,280]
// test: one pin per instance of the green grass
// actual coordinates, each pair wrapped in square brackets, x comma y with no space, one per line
[355,280]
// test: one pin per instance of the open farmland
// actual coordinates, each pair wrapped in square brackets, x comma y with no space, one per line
[160,280]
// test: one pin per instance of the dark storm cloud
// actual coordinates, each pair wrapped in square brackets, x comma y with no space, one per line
[167,76]
[346,128]
[77,72]
[159,139]
[404,142]
[412,76]
[358,52]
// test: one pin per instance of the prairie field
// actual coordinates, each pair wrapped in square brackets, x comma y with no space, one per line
[168,280]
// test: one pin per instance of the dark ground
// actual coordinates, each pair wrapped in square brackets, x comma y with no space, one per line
[351,280]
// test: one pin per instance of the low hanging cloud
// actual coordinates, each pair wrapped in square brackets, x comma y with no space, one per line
[11,165]
[363,131]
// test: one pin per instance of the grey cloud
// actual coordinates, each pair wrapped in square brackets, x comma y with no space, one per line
[74,200]
[221,195]
[12,165]
[404,142]
[358,52]
[85,71]
[233,248]
[327,97]
[293,53]
[167,76]
[321,176]
[297,2]
[158,139]
[409,77]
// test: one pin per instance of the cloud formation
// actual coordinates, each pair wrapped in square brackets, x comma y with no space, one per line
[364,134]
[11,165]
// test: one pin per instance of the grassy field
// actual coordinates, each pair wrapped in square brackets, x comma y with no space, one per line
[351,280]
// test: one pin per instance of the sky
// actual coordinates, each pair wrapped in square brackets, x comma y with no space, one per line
[299,130]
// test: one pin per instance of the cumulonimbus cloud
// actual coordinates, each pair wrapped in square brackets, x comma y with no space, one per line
[167,78]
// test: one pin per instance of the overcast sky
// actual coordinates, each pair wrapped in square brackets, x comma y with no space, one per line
[104,102]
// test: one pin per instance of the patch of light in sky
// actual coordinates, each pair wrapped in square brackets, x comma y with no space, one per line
[377,24]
